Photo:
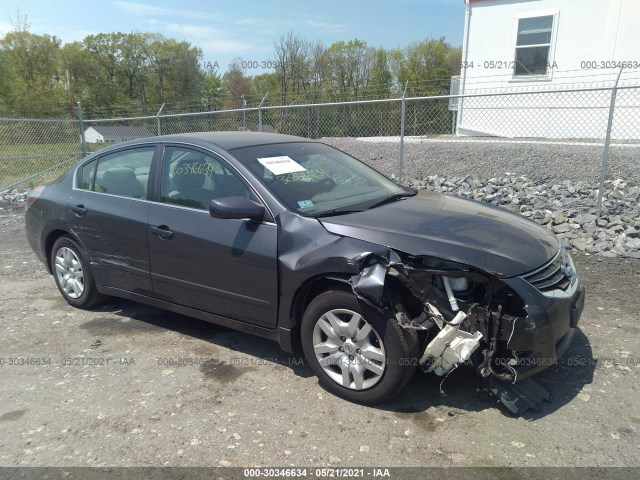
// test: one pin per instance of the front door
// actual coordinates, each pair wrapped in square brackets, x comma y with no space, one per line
[225,267]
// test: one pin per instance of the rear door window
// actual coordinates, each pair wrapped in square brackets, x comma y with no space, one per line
[125,173]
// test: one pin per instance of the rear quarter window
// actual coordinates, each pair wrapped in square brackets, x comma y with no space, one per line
[87,174]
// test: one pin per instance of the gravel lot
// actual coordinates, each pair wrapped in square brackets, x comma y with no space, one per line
[129,385]
[484,159]
[103,398]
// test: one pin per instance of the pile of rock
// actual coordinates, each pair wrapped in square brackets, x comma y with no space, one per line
[13,195]
[567,208]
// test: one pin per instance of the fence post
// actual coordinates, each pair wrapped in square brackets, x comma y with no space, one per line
[402,114]
[244,112]
[158,118]
[260,112]
[607,142]
[81,125]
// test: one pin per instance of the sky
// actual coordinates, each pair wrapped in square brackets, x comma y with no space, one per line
[247,29]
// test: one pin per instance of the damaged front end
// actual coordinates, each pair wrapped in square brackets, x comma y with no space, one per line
[507,326]
[507,329]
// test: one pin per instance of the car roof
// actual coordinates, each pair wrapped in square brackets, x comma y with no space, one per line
[231,140]
[224,140]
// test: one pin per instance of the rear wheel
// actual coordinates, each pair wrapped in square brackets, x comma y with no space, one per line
[355,350]
[73,275]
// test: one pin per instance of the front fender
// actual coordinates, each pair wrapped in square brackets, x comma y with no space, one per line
[307,251]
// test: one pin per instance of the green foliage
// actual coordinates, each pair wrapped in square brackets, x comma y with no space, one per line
[212,91]
[9,83]
[265,83]
[380,72]
[425,64]
[237,85]
[106,72]
[127,73]
[31,77]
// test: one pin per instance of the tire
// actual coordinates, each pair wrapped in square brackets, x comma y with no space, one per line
[373,368]
[72,274]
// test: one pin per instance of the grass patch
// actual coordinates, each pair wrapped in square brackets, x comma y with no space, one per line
[37,158]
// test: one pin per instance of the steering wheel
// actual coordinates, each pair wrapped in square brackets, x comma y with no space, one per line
[325,184]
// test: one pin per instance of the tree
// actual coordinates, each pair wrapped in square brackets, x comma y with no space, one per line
[187,75]
[428,66]
[161,56]
[212,91]
[104,48]
[81,70]
[318,69]
[111,71]
[268,82]
[381,79]
[291,54]
[133,63]
[350,65]
[32,65]
[237,86]
[9,84]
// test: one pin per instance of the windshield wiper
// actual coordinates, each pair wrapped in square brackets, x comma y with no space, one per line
[396,196]
[333,213]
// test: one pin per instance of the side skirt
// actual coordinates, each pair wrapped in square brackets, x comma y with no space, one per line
[271,334]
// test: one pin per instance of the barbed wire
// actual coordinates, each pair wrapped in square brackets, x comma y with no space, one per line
[33,150]
[494,82]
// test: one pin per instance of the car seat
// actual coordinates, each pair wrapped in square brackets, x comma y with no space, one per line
[122,181]
[187,183]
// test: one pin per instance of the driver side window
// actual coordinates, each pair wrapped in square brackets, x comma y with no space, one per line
[192,179]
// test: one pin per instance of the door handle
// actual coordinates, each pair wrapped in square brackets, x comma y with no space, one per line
[79,210]
[162,232]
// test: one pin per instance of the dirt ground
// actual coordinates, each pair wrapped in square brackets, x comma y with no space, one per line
[129,385]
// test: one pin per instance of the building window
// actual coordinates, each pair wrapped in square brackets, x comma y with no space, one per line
[533,45]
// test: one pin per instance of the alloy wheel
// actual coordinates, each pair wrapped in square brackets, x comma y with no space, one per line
[69,272]
[349,349]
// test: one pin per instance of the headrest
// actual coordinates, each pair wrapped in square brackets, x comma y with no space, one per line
[190,172]
[120,175]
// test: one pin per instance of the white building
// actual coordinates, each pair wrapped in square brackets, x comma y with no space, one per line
[114,133]
[541,45]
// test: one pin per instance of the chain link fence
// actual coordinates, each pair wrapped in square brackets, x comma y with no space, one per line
[575,115]
[36,150]
[33,150]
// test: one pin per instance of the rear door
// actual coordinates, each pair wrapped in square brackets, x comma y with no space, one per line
[108,211]
[225,267]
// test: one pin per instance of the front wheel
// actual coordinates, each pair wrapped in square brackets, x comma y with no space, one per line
[355,350]
[73,275]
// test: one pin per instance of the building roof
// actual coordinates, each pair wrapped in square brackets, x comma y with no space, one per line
[122,131]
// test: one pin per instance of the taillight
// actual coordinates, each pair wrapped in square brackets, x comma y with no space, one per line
[33,195]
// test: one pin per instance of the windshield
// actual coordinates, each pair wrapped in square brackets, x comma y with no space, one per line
[314,179]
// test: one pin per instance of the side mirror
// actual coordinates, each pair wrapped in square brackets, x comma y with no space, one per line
[236,207]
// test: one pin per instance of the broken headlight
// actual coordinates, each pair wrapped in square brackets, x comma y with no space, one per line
[567,265]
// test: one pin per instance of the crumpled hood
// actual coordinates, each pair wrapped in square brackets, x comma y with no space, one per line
[488,238]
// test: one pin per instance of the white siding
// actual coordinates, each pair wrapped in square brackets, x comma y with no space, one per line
[583,31]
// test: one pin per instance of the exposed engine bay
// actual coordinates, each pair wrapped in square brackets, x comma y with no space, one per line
[508,324]
[463,317]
